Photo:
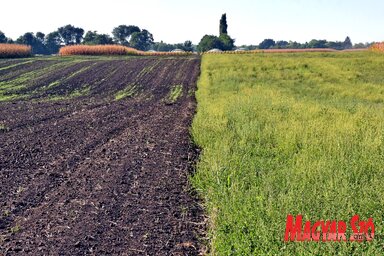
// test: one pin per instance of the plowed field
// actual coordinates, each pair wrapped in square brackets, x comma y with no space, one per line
[95,156]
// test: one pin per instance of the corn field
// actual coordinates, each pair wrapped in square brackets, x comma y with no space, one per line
[111,50]
[14,50]
[96,50]
[378,47]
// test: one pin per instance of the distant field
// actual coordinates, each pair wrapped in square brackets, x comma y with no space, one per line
[290,134]
[257,51]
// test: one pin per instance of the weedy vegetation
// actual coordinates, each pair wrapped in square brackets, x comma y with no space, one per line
[175,93]
[3,128]
[287,134]
[127,92]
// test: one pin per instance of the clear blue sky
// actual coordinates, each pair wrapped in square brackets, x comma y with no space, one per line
[173,21]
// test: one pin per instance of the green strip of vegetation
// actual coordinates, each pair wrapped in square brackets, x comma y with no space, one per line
[289,134]
[17,64]
[175,93]
[58,82]
[127,92]
[9,97]
[3,128]
[74,94]
[8,89]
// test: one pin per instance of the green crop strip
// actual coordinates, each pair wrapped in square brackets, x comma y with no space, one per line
[127,92]
[175,93]
[58,82]
[75,94]
[17,64]
[8,89]
[146,70]
[3,128]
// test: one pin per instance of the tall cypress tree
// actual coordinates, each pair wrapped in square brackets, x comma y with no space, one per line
[223,25]
[347,43]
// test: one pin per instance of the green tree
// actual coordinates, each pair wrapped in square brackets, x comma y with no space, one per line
[294,45]
[224,42]
[281,44]
[3,38]
[122,34]
[227,41]
[28,38]
[141,40]
[335,45]
[267,44]
[360,46]
[317,44]
[163,47]
[223,25]
[93,38]
[209,42]
[71,34]
[53,42]
[90,37]
[37,43]
[40,36]
[187,46]
[347,43]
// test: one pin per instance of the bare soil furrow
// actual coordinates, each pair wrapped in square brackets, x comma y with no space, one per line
[93,175]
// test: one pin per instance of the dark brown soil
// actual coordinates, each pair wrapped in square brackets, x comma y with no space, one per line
[95,176]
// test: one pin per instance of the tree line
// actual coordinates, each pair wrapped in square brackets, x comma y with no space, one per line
[127,35]
[142,39]
[337,45]
[225,43]
[132,36]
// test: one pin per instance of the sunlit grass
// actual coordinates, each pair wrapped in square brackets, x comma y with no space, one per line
[289,134]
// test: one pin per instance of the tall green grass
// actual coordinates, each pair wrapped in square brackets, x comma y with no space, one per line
[290,134]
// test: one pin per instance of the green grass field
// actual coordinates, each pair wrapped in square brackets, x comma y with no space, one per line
[290,134]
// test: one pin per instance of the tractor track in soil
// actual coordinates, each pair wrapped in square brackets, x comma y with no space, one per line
[92,175]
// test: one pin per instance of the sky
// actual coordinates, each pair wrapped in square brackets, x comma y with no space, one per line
[175,21]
